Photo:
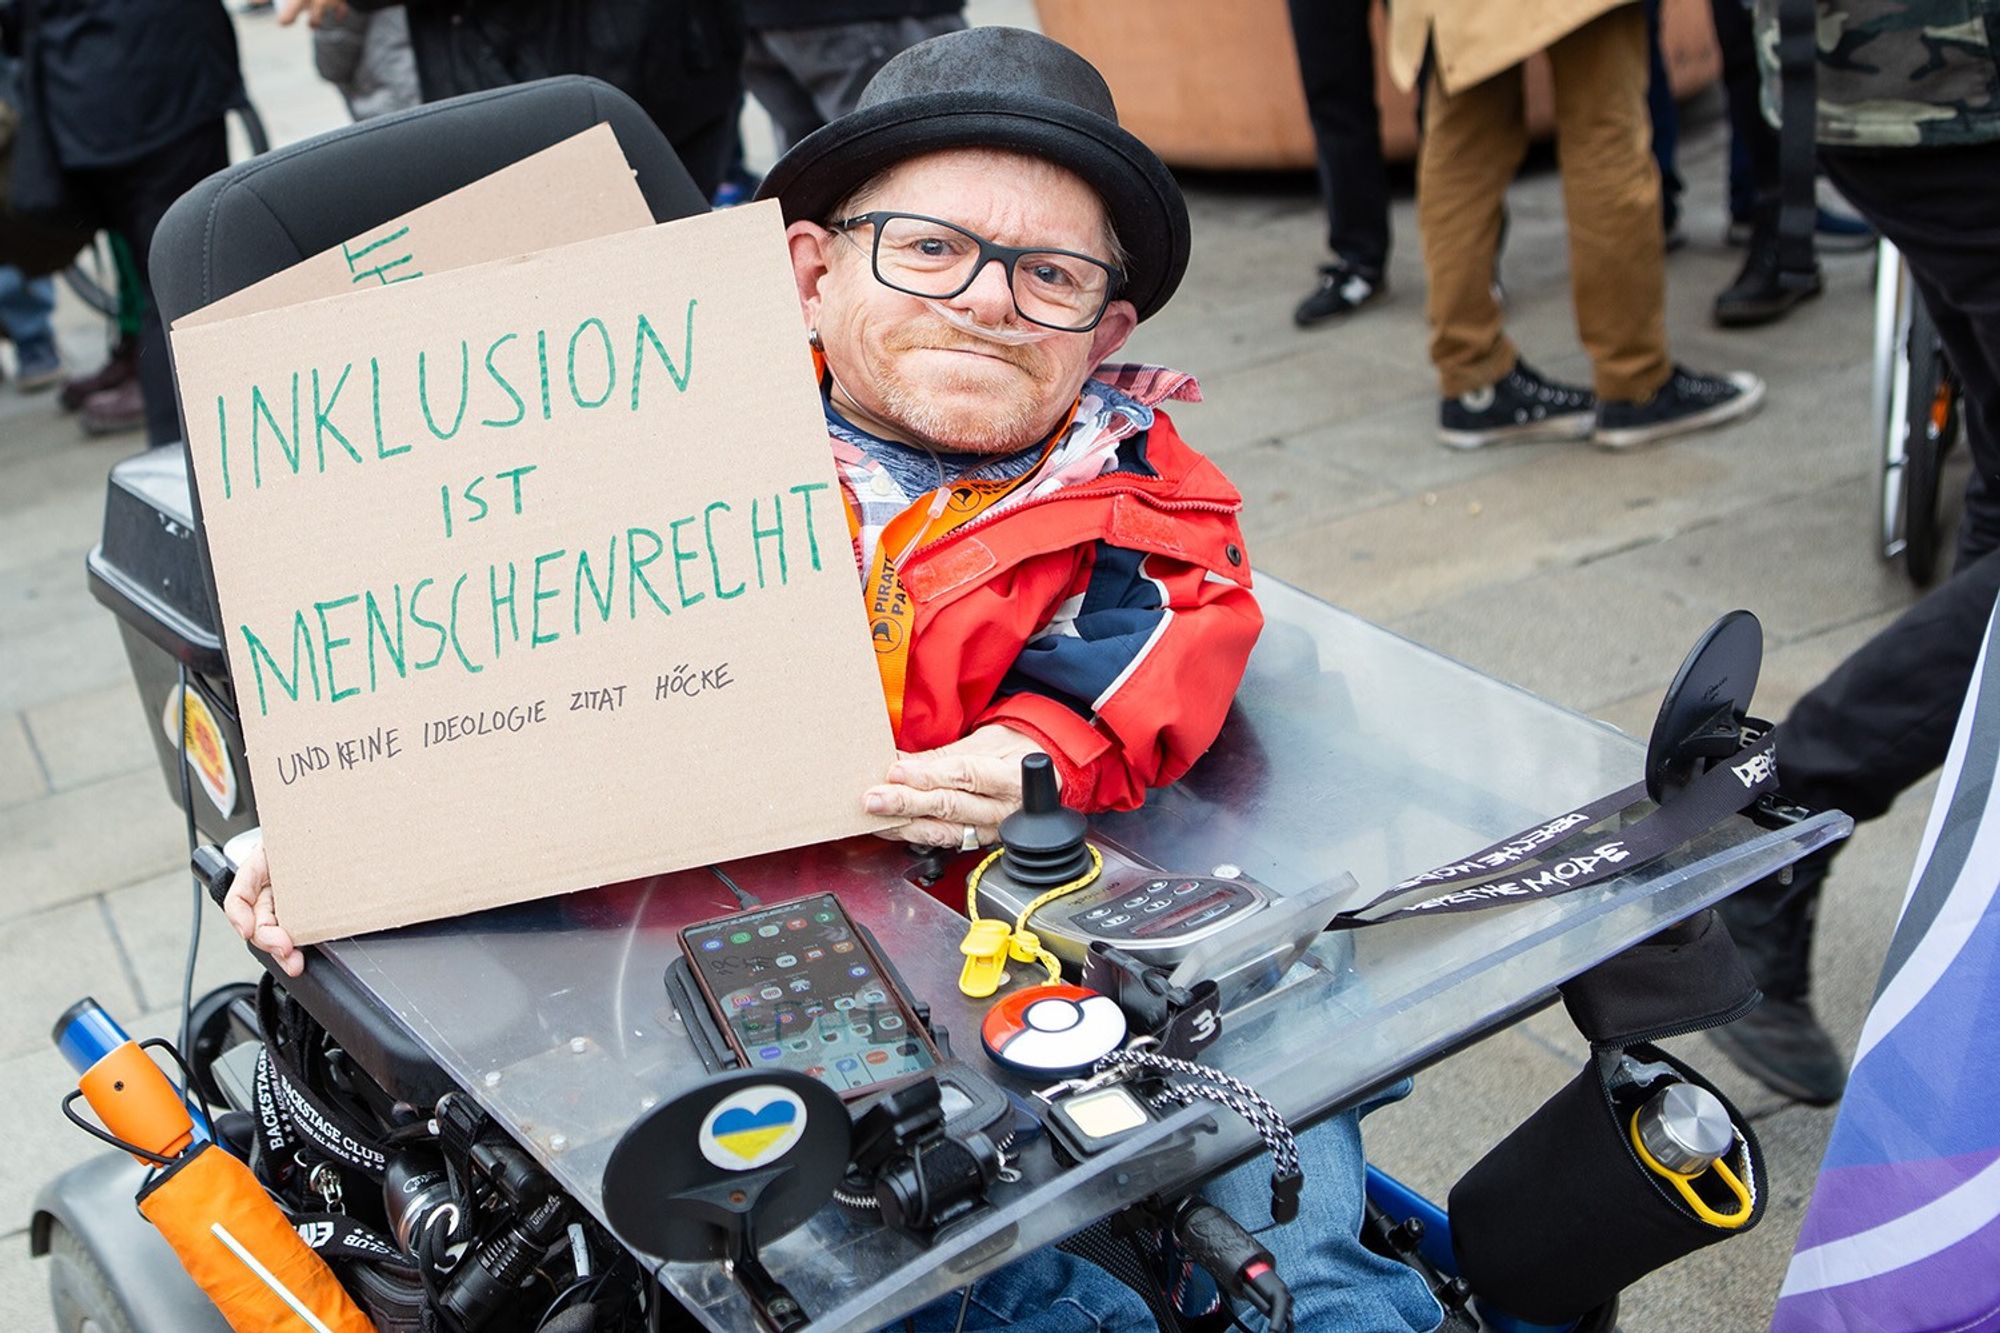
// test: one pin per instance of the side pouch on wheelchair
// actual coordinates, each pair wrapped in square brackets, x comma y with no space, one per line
[1682,980]
[1570,1209]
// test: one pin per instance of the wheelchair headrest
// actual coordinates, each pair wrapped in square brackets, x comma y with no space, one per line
[258,217]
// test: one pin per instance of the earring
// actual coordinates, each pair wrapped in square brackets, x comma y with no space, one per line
[812,339]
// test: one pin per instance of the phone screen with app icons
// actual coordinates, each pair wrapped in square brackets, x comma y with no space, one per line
[797,987]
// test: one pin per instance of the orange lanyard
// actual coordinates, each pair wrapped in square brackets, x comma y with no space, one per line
[927,518]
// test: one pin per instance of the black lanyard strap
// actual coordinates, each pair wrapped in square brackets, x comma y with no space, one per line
[1576,849]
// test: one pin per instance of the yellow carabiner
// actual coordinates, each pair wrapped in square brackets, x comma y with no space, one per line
[1685,1184]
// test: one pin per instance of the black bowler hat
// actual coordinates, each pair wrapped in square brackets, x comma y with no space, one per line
[999,88]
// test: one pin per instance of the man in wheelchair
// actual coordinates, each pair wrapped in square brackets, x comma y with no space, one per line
[1046,566]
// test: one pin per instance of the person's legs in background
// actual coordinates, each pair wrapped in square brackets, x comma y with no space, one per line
[134,197]
[122,366]
[1665,115]
[26,305]
[1611,202]
[1473,143]
[1884,718]
[1337,65]
[1764,289]
[1617,256]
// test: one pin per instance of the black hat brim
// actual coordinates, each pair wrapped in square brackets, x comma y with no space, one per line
[1139,193]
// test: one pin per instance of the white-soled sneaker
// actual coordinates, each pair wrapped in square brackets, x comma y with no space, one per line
[1520,406]
[1687,402]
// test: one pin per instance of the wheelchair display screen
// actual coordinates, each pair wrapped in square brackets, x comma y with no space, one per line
[796,986]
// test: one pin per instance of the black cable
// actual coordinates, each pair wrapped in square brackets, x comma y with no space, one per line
[964,1304]
[743,898]
[194,928]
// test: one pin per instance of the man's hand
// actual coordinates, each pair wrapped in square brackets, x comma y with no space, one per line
[972,783]
[249,908]
[317,12]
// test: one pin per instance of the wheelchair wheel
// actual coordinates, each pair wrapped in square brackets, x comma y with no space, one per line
[82,1296]
[1930,422]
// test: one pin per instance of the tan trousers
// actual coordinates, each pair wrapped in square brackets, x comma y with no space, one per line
[1473,144]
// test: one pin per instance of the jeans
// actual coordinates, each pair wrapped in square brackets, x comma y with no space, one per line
[25,306]
[1336,1282]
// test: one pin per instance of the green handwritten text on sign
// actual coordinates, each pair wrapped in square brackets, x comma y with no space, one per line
[535,573]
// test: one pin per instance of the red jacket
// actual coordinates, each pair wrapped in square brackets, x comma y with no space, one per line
[1111,621]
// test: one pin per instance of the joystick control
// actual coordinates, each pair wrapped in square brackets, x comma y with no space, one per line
[1043,840]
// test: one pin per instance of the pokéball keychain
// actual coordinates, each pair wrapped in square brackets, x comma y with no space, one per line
[1056,1030]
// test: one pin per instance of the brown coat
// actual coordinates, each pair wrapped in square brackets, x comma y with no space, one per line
[1476,39]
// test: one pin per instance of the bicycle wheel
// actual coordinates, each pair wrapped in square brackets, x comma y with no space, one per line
[87,278]
[1930,419]
[1891,386]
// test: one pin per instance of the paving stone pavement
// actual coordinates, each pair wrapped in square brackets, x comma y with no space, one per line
[1581,575]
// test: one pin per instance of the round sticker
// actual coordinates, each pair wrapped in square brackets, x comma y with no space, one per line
[207,751]
[752,1128]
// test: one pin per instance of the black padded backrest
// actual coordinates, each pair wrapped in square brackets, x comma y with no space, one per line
[260,216]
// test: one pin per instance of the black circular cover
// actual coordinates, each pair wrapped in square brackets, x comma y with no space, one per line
[1715,684]
[782,1135]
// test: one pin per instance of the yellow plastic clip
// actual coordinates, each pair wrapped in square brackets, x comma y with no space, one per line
[1685,1184]
[1026,947]
[985,948]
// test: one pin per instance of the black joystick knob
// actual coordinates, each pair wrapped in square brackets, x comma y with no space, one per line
[1043,839]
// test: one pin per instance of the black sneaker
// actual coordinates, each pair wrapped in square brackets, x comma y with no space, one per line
[1686,402]
[1782,1046]
[1522,406]
[1764,290]
[1343,289]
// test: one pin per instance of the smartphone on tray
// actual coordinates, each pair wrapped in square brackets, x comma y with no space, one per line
[796,986]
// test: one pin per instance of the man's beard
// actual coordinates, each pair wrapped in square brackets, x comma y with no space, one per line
[1003,424]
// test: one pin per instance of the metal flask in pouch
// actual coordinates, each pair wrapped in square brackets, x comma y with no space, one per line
[1685,1129]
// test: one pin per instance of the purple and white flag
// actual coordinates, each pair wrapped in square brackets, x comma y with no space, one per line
[1903,1231]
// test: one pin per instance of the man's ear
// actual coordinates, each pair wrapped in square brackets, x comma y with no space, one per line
[807,242]
[1120,318]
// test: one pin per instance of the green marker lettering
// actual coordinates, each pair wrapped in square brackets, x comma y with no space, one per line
[328,643]
[255,647]
[520,408]
[464,391]
[714,563]
[680,374]
[610,365]
[635,571]
[535,599]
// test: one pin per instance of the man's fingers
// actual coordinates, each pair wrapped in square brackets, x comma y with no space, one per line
[944,770]
[947,805]
[242,916]
[938,833]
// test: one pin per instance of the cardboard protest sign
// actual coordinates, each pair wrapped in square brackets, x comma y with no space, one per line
[574,190]
[534,575]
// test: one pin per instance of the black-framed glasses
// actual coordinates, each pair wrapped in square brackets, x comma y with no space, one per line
[929,257]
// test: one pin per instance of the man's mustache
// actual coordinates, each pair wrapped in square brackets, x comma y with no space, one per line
[936,335]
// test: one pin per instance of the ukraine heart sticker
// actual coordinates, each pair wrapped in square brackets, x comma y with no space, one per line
[752,1127]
